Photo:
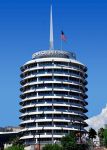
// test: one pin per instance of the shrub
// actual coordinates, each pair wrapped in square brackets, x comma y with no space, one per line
[52,147]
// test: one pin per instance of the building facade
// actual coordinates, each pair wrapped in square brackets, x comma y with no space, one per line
[53,93]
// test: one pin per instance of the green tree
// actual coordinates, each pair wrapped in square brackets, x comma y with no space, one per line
[92,133]
[101,136]
[16,144]
[52,147]
[15,147]
[69,142]
[82,147]
[15,141]
[105,137]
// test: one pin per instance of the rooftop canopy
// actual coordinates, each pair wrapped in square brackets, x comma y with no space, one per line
[54,53]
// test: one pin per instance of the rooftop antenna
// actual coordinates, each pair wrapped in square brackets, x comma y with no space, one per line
[51,30]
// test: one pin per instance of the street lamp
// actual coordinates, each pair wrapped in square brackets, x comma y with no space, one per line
[80,131]
[39,138]
[39,141]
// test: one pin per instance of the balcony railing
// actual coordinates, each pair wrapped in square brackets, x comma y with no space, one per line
[42,88]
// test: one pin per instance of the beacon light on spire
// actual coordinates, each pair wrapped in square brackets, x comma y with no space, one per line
[51,31]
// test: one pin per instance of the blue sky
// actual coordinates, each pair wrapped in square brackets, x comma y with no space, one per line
[24,29]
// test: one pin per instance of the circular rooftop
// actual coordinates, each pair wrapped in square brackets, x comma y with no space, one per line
[53,53]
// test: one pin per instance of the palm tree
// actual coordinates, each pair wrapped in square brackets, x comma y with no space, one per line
[101,136]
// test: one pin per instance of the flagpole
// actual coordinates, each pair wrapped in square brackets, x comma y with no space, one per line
[61,44]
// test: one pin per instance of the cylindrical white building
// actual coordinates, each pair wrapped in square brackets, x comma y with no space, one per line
[53,97]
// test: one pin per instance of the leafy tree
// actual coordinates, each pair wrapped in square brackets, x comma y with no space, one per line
[82,147]
[16,144]
[101,136]
[15,147]
[92,133]
[52,147]
[15,141]
[69,142]
[105,137]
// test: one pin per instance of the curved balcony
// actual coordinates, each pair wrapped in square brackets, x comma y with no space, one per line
[86,75]
[53,85]
[53,67]
[86,89]
[53,71]
[57,127]
[71,116]
[38,97]
[54,81]
[85,110]
[54,120]
[54,97]
[44,120]
[53,103]
[85,102]
[85,82]
[22,68]
[85,96]
[40,89]
[53,108]
[49,128]
[45,100]
[85,69]
[74,113]
[42,136]
[22,82]
[69,77]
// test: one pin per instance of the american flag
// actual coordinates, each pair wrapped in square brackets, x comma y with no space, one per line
[63,37]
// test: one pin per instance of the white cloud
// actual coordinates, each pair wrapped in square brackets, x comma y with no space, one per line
[98,121]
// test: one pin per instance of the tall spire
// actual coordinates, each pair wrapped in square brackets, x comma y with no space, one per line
[51,30]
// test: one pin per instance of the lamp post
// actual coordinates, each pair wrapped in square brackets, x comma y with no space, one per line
[39,138]
[80,131]
[39,141]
